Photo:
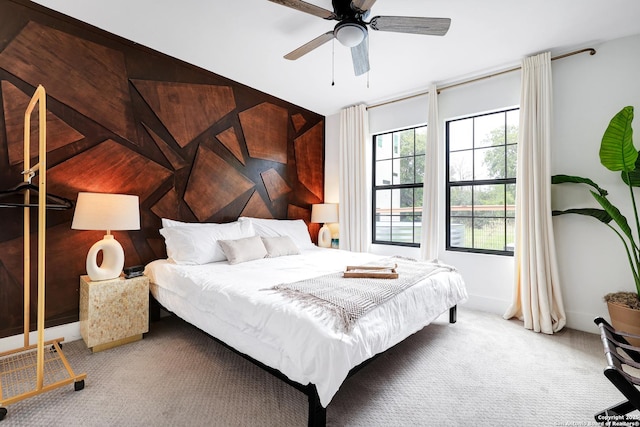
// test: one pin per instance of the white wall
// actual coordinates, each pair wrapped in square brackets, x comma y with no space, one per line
[588,91]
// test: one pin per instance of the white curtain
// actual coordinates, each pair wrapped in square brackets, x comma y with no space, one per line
[355,188]
[536,298]
[429,240]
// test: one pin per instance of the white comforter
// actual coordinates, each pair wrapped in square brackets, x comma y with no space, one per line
[230,303]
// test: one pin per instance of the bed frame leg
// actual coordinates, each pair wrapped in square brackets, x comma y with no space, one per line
[453,314]
[154,309]
[317,414]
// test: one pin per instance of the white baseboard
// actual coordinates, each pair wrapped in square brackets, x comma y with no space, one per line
[584,321]
[482,303]
[575,320]
[69,331]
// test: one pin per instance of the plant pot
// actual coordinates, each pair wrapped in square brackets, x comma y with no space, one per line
[625,319]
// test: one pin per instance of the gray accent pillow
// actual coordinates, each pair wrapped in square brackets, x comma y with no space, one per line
[242,250]
[280,246]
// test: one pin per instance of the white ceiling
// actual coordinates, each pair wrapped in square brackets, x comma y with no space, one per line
[245,40]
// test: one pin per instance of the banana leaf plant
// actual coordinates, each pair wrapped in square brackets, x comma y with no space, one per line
[618,154]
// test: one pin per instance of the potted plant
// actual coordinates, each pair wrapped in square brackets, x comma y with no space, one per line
[618,154]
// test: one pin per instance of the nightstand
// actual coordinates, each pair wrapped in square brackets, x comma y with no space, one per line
[113,312]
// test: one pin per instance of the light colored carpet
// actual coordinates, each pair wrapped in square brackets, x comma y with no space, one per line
[481,371]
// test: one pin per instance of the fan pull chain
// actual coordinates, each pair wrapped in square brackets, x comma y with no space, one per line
[333,62]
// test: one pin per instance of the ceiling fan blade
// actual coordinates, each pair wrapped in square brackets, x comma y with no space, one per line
[360,57]
[411,24]
[308,47]
[303,6]
[362,5]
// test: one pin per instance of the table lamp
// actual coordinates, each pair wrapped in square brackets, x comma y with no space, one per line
[325,213]
[103,211]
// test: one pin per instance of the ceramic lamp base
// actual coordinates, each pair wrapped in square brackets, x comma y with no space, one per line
[324,237]
[112,259]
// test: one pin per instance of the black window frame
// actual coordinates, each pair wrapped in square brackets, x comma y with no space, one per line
[472,182]
[392,186]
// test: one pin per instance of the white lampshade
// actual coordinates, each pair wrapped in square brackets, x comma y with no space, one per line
[350,34]
[104,211]
[325,213]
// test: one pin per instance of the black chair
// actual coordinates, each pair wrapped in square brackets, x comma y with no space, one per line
[619,353]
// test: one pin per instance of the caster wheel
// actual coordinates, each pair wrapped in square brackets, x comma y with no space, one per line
[3,413]
[78,385]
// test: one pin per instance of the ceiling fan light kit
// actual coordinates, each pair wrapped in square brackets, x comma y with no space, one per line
[350,34]
[351,30]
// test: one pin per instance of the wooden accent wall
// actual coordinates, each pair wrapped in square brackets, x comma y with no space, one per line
[194,146]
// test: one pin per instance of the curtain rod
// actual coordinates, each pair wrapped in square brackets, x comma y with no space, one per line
[591,51]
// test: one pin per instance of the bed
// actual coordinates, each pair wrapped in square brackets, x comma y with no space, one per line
[234,281]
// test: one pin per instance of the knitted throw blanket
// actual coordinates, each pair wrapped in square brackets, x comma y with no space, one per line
[343,301]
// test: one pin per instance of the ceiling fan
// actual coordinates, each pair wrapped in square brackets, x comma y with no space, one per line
[351,29]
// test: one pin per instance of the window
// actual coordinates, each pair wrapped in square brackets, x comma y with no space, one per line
[481,176]
[398,174]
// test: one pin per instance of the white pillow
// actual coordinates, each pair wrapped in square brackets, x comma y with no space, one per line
[199,245]
[166,223]
[242,250]
[296,229]
[280,246]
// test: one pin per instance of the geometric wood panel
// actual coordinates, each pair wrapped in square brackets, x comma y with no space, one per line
[186,109]
[177,162]
[108,167]
[256,207]
[297,212]
[230,140]
[309,150]
[265,132]
[298,121]
[125,119]
[276,186]
[168,206]
[157,247]
[213,184]
[87,76]
[14,103]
